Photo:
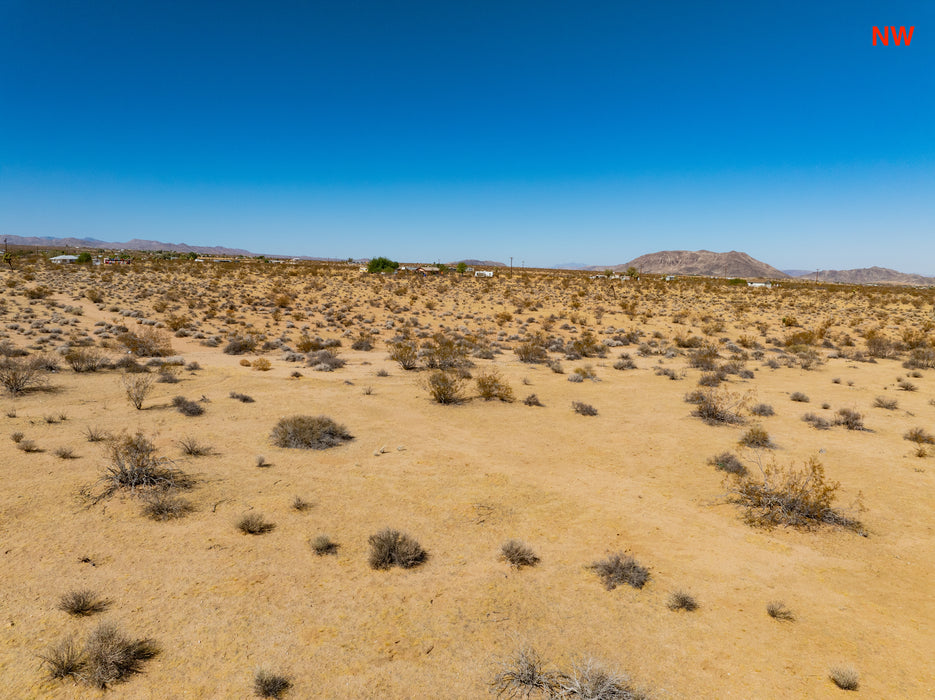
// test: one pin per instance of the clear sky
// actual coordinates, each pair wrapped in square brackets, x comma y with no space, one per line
[548,131]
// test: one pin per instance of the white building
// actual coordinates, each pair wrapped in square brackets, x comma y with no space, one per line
[59,259]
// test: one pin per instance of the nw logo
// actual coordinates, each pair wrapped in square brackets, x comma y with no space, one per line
[898,37]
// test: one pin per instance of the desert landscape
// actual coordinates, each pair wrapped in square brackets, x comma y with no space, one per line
[225,480]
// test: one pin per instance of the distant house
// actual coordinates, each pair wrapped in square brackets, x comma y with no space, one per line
[116,261]
[484,273]
[428,270]
[670,278]
[59,259]
[760,284]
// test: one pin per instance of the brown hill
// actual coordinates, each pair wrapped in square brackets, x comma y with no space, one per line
[701,262]
[868,275]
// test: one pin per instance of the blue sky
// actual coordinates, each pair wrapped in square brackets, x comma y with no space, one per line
[547,131]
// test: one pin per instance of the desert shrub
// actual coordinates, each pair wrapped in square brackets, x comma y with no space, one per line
[390,548]
[300,504]
[254,524]
[191,447]
[618,569]
[261,364]
[919,436]
[405,352]
[532,400]
[444,353]
[64,453]
[728,462]
[18,375]
[799,397]
[625,362]
[816,421]
[167,375]
[137,387]
[850,419]
[920,358]
[555,366]
[531,352]
[363,342]
[95,434]
[844,677]
[704,358]
[129,365]
[490,385]
[309,433]
[64,660]
[586,372]
[111,656]
[583,409]
[590,680]
[777,610]
[27,446]
[575,378]
[240,345]
[187,407]
[267,684]
[525,674]
[325,360]
[149,341]
[322,544]
[85,359]
[709,379]
[518,554]
[880,346]
[799,498]
[445,387]
[762,409]
[82,603]
[715,407]
[243,398]
[680,600]
[888,404]
[135,466]
[756,437]
[906,385]
[163,506]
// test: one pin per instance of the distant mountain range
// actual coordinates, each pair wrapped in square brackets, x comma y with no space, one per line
[135,244]
[868,275]
[478,263]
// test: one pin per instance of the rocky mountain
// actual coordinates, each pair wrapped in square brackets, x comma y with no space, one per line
[478,263]
[868,275]
[700,262]
[135,244]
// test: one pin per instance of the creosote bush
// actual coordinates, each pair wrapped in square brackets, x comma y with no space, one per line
[716,406]
[445,387]
[756,437]
[525,674]
[243,398]
[18,375]
[309,433]
[919,436]
[187,407]
[618,569]
[135,467]
[532,400]
[518,554]
[162,506]
[799,498]
[389,548]
[490,385]
[728,462]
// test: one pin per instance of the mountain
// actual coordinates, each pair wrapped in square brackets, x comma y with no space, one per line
[799,273]
[135,244]
[571,266]
[478,263]
[700,262]
[869,275]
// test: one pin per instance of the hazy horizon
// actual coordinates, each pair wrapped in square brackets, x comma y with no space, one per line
[483,130]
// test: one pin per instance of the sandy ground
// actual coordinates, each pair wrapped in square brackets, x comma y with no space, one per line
[463,479]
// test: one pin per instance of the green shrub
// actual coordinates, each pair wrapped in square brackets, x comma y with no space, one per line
[309,433]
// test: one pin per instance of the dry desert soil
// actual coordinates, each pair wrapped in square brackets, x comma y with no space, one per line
[677,373]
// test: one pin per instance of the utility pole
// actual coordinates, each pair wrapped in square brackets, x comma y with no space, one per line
[511,267]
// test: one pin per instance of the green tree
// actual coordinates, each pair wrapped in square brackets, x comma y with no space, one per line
[462,268]
[381,264]
[192,256]
[84,257]
[632,271]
